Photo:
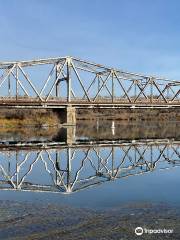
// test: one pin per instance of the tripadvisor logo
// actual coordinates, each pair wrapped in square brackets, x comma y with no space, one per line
[139,231]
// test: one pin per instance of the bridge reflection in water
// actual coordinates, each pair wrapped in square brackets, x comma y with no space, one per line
[68,169]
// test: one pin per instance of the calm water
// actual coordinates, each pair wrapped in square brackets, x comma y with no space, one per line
[94,165]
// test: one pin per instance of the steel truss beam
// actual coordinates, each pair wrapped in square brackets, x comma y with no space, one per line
[97,163]
[72,80]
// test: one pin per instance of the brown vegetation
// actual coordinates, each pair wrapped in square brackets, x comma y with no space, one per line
[130,114]
[21,118]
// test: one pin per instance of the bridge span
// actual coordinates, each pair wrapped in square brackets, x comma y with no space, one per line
[71,168]
[69,83]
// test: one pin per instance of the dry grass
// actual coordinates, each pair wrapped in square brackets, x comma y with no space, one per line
[19,118]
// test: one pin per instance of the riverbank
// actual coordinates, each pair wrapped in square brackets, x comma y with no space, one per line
[15,118]
[122,114]
[47,221]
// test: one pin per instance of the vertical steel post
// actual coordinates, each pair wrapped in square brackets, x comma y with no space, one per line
[69,79]
[69,169]
[112,161]
[17,171]
[168,93]
[9,86]
[112,86]
[17,85]
[9,167]
[135,155]
[151,97]
[57,84]
[151,154]
[135,89]
[99,85]
[99,162]
[57,167]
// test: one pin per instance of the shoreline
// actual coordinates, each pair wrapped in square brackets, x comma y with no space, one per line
[10,118]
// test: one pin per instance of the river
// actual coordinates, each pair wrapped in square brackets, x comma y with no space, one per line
[97,165]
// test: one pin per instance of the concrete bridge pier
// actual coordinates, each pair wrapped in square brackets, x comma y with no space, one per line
[66,134]
[68,116]
[70,135]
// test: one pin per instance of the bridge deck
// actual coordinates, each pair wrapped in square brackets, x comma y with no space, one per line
[80,103]
[34,145]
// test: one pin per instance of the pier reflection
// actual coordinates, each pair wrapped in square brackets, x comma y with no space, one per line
[66,168]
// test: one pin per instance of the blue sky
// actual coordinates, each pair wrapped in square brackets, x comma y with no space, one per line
[134,35]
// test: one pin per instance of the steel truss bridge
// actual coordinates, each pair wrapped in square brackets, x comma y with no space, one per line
[68,169]
[63,81]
